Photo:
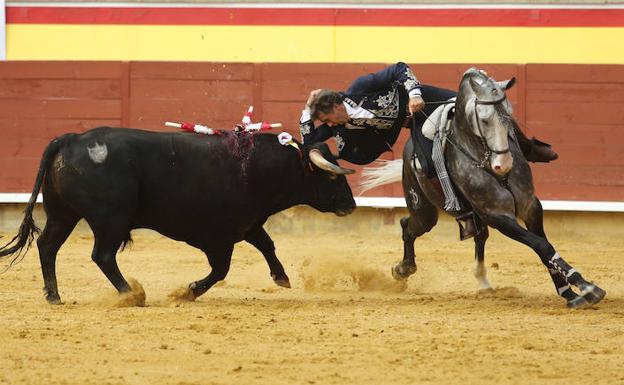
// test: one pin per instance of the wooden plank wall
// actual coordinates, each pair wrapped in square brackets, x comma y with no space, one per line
[578,108]
[41,100]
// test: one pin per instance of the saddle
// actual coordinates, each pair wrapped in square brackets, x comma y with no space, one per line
[423,137]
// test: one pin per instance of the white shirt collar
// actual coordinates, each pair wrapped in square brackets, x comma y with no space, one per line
[358,112]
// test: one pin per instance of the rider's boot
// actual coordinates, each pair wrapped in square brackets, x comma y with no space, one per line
[534,150]
[470,229]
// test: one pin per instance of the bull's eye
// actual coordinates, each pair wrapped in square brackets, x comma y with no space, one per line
[332,176]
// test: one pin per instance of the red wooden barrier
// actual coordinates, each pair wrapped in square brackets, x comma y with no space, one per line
[578,108]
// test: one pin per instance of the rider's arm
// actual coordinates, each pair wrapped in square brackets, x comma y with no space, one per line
[399,72]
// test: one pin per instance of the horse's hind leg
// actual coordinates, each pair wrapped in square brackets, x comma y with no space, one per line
[535,224]
[480,272]
[423,216]
[55,233]
[590,293]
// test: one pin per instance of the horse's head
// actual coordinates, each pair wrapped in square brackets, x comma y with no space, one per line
[486,113]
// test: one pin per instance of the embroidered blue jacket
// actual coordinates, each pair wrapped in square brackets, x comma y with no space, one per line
[377,106]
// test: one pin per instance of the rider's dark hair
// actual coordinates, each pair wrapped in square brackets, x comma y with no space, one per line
[324,102]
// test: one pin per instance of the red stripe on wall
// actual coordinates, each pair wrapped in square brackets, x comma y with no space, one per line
[318,16]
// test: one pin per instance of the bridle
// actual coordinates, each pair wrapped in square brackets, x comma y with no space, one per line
[487,150]
[482,136]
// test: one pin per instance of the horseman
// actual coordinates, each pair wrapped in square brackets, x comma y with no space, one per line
[367,119]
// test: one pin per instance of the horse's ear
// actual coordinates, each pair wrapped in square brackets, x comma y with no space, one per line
[476,87]
[507,84]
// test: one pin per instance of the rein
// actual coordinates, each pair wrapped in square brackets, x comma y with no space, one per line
[487,153]
[484,162]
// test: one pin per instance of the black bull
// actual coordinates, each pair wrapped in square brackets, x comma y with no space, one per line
[208,191]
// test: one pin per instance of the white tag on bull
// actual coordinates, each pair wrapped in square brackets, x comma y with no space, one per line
[286,139]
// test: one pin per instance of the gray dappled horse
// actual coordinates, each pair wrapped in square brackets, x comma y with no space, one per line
[486,165]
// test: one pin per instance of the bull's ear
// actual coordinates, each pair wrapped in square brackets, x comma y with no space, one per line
[507,84]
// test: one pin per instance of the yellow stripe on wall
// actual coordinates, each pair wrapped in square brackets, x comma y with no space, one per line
[326,44]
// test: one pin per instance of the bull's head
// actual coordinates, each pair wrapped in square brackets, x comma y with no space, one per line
[327,189]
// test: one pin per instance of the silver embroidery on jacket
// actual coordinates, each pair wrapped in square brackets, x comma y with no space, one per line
[411,82]
[305,129]
[339,142]
[382,124]
[389,104]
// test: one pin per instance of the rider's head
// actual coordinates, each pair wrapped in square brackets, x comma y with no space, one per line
[327,107]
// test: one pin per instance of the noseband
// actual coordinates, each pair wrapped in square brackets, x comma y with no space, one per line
[488,150]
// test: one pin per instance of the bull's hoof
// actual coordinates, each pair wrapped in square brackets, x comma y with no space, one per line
[401,272]
[52,298]
[192,292]
[282,282]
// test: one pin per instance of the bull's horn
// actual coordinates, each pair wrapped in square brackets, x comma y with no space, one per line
[317,158]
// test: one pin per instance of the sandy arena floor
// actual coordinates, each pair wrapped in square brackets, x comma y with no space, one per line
[345,321]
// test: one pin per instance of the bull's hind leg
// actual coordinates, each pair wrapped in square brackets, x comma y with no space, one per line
[423,216]
[219,260]
[480,272]
[109,235]
[52,238]
[535,224]
[263,242]
[589,293]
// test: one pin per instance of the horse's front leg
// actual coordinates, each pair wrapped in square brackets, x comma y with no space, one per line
[480,272]
[589,293]
[535,224]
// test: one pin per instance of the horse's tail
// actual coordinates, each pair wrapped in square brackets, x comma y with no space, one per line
[389,171]
[26,233]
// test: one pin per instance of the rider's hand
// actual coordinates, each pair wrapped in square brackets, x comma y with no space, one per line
[313,94]
[416,103]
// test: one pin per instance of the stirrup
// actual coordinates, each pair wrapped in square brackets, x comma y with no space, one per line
[470,230]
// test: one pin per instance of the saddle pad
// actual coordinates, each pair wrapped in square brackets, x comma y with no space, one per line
[437,120]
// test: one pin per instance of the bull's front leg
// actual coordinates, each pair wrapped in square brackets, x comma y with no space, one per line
[263,242]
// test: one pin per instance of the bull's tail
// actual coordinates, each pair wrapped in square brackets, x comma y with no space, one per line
[390,171]
[28,229]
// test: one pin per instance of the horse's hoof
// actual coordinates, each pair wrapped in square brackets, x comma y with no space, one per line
[281,281]
[593,294]
[401,272]
[486,292]
[577,303]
